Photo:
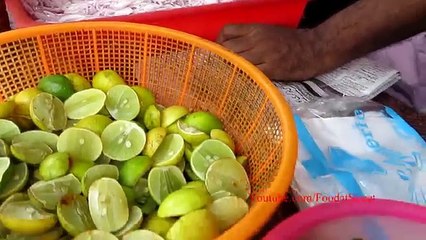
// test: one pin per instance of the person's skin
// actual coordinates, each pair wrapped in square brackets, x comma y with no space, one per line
[286,54]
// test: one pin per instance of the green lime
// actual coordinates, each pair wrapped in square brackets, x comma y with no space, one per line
[81,144]
[95,123]
[17,182]
[84,103]
[6,109]
[170,151]
[141,190]
[130,195]
[199,224]
[38,136]
[157,224]
[122,103]
[188,151]
[206,153]
[74,215]
[199,185]
[49,193]
[228,211]
[23,99]
[164,180]
[30,152]
[146,98]
[4,149]
[55,165]
[95,235]
[133,169]
[183,201]
[79,168]
[173,128]
[24,218]
[5,165]
[97,172]
[191,175]
[57,85]
[171,114]
[48,113]
[78,82]
[16,197]
[191,135]
[106,79]
[108,205]
[242,160]
[123,140]
[142,234]
[152,117]
[149,206]
[223,136]
[221,194]
[181,165]
[154,137]
[134,222]
[228,175]
[203,121]
[8,130]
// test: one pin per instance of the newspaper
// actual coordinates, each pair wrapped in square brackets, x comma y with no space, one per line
[363,78]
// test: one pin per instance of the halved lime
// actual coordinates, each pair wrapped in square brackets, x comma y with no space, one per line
[24,218]
[164,180]
[95,123]
[55,165]
[173,128]
[221,194]
[123,140]
[228,175]
[203,121]
[181,165]
[197,185]
[5,164]
[17,182]
[97,172]
[170,151]
[191,175]
[48,113]
[23,99]
[79,168]
[133,169]
[199,224]
[53,234]
[134,222]
[95,235]
[106,79]
[191,135]
[74,215]
[8,130]
[84,103]
[142,234]
[30,152]
[171,114]
[158,225]
[206,153]
[78,82]
[81,144]
[4,149]
[108,205]
[146,98]
[6,109]
[36,136]
[122,103]
[154,137]
[228,211]
[223,136]
[152,117]
[49,193]
[188,151]
[183,201]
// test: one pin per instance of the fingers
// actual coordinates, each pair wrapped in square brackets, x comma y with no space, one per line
[253,56]
[238,45]
[232,31]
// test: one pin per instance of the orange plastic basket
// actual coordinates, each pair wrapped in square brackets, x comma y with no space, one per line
[180,69]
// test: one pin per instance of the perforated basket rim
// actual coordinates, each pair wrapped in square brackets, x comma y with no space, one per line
[260,212]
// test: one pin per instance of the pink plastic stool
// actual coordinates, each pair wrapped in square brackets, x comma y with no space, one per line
[355,220]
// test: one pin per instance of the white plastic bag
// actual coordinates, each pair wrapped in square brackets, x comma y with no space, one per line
[351,148]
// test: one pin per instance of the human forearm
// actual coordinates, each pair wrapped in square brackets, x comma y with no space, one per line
[365,27]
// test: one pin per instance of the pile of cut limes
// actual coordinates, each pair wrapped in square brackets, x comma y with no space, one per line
[103,160]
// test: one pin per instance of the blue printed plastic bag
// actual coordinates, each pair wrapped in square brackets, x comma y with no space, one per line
[350,147]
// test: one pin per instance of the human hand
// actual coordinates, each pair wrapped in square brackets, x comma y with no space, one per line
[282,54]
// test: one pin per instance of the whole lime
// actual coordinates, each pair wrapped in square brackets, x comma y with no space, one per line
[57,85]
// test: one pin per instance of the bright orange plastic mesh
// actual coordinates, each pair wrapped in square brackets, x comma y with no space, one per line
[180,69]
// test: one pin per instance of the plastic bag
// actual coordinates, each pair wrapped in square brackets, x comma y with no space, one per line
[349,148]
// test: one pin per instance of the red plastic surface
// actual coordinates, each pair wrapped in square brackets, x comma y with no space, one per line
[203,21]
